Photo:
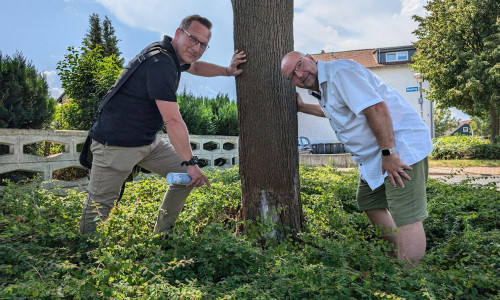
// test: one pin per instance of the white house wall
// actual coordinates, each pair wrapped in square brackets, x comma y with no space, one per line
[400,77]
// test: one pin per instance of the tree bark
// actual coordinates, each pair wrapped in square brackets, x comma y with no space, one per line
[267,113]
[494,123]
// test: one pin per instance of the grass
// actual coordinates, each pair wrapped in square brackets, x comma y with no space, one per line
[464,163]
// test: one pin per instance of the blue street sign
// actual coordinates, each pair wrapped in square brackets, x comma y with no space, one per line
[412,89]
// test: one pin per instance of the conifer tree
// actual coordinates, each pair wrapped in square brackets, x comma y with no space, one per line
[110,41]
[24,95]
[94,37]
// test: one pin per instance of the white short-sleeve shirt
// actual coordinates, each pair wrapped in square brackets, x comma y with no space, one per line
[347,88]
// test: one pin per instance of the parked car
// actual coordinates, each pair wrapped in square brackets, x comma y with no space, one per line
[305,146]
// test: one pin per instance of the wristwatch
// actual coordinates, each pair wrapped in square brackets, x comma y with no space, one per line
[191,162]
[387,152]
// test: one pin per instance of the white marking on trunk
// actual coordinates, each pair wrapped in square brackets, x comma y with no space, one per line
[264,205]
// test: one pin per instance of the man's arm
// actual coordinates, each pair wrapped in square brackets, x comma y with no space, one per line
[380,122]
[307,108]
[205,69]
[179,137]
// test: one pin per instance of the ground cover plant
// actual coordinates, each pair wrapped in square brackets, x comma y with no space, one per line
[337,256]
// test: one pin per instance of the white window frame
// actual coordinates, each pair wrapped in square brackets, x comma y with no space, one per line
[396,54]
[465,129]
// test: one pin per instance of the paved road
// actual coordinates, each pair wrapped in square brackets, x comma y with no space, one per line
[472,171]
[471,179]
[481,175]
[474,175]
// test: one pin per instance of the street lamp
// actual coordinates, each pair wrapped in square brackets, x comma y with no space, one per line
[420,78]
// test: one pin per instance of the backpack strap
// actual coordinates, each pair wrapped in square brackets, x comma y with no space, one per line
[128,70]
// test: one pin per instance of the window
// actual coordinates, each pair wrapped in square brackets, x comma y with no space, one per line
[396,56]
[466,129]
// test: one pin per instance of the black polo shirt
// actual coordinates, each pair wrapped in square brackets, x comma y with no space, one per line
[131,117]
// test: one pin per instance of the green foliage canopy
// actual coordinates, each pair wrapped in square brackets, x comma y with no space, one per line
[86,76]
[205,116]
[480,126]
[443,121]
[459,53]
[102,36]
[24,95]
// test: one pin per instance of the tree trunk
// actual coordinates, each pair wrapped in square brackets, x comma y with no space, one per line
[46,150]
[494,123]
[267,113]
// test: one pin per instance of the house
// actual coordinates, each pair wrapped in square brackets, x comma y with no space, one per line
[462,128]
[63,98]
[391,65]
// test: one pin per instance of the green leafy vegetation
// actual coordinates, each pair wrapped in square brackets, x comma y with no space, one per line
[443,121]
[209,116]
[24,95]
[86,76]
[458,54]
[87,73]
[337,256]
[464,147]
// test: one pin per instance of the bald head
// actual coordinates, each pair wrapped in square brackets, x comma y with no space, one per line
[301,69]
[289,61]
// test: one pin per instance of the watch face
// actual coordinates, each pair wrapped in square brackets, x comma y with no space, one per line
[386,152]
[194,160]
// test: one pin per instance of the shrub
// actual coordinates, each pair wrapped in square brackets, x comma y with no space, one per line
[464,147]
[337,256]
[86,75]
[204,116]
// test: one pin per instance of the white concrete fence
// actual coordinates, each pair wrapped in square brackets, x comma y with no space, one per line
[213,151]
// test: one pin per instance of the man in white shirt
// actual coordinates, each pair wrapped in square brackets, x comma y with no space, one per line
[386,137]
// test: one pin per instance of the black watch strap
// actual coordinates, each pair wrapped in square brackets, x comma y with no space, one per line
[193,161]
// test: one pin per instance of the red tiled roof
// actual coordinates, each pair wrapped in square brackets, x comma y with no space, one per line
[365,57]
[460,123]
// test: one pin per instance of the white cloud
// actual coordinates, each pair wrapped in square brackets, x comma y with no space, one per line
[412,7]
[53,82]
[208,89]
[55,92]
[165,16]
[318,25]
[50,76]
[349,25]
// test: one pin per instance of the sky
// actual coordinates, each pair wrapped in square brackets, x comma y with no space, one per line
[44,29]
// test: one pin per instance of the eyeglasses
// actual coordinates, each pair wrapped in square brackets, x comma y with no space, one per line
[297,68]
[193,41]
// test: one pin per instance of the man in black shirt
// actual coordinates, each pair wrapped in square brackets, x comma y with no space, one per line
[126,131]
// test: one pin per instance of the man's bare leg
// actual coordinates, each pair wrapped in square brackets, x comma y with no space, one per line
[411,243]
[381,216]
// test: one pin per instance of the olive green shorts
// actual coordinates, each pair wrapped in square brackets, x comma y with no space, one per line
[407,205]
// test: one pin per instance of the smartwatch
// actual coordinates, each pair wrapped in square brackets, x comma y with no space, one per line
[387,152]
[191,162]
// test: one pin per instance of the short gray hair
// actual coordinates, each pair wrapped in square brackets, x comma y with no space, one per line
[189,19]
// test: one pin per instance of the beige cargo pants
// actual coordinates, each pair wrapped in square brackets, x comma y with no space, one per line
[111,165]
